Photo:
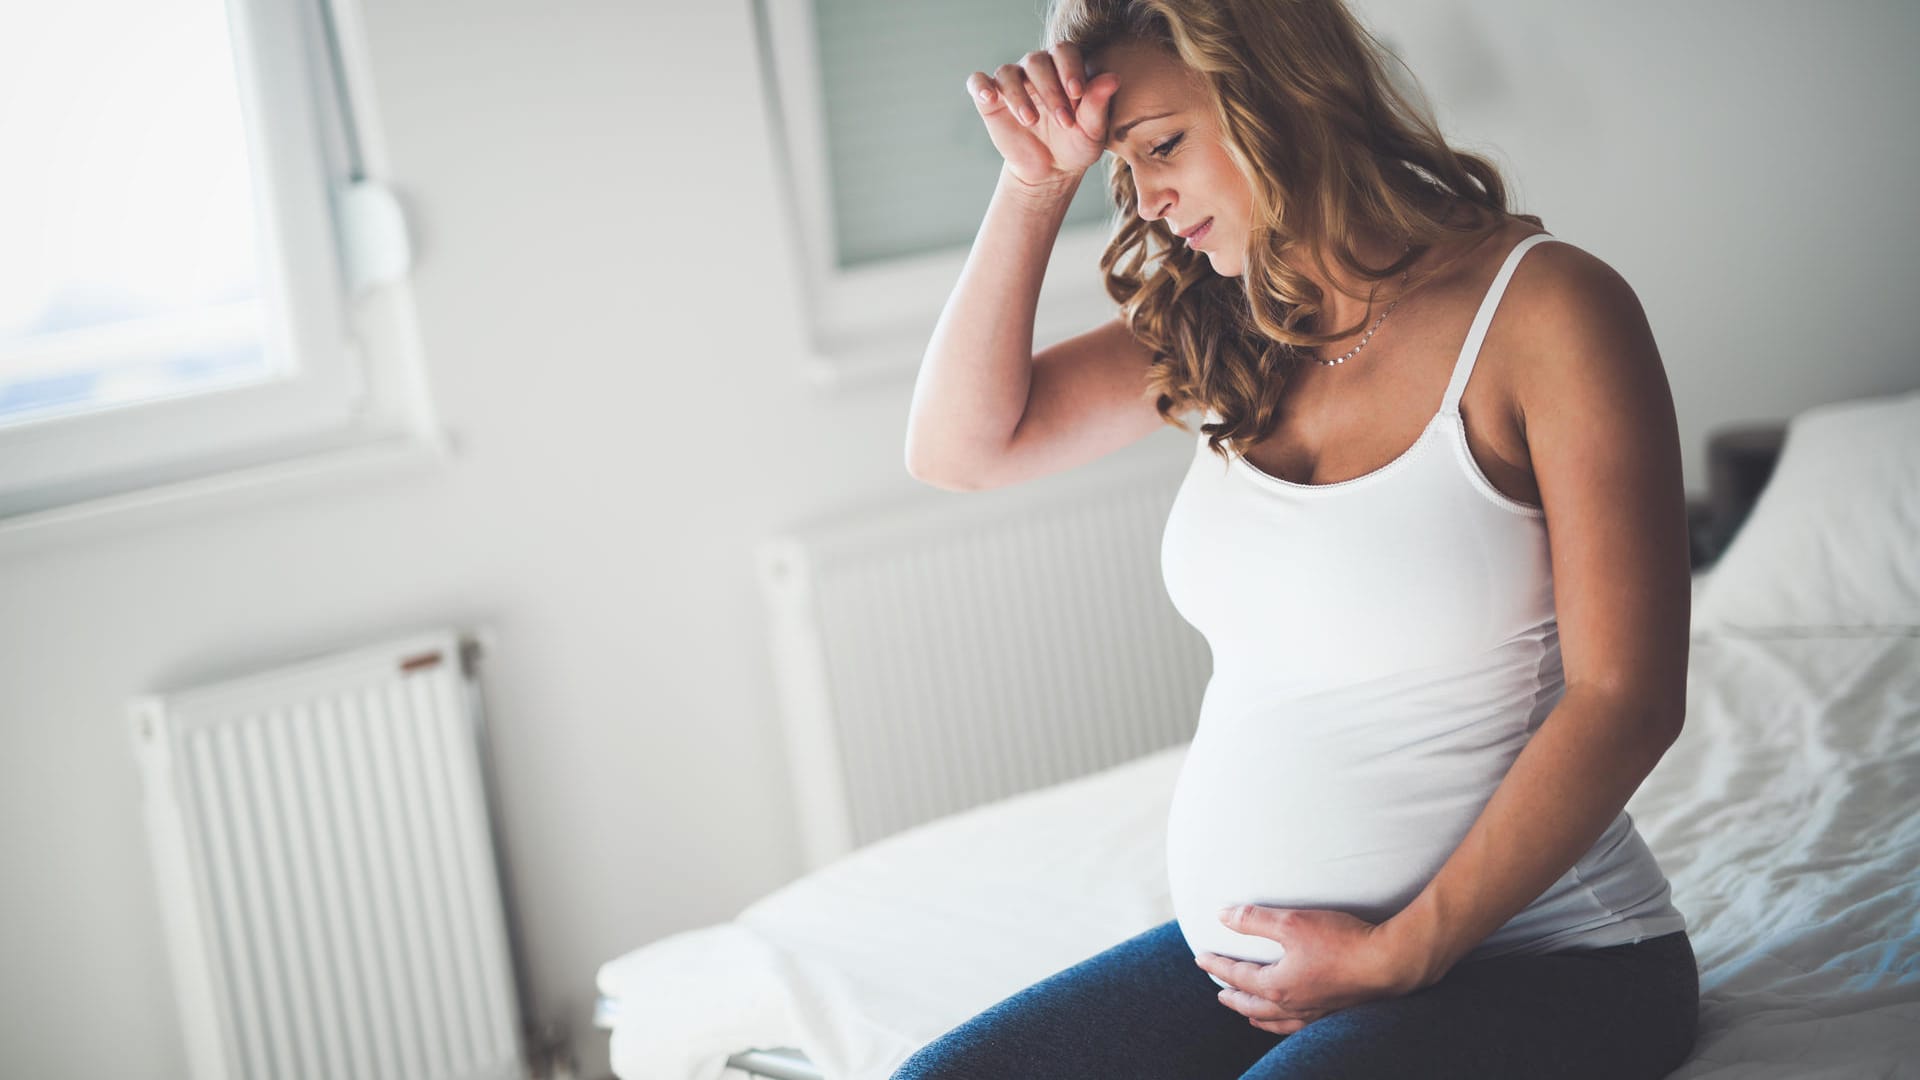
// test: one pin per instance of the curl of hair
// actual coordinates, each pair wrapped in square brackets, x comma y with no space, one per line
[1331,149]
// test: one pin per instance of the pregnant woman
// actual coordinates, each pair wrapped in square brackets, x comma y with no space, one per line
[1433,531]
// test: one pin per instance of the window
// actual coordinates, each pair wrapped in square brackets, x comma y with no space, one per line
[888,171]
[193,279]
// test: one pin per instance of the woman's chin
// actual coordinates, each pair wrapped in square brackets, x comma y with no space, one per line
[1225,267]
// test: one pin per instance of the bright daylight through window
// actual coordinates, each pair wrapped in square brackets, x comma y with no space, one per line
[129,272]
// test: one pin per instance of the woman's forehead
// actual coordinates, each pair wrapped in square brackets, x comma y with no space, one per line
[1132,60]
[1150,79]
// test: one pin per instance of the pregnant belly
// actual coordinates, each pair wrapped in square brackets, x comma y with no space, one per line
[1272,815]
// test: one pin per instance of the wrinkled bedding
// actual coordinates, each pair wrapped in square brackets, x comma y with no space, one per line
[1786,816]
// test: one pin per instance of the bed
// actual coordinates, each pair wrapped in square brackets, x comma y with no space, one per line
[1786,816]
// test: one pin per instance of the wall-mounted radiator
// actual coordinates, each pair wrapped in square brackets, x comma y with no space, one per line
[323,845]
[958,649]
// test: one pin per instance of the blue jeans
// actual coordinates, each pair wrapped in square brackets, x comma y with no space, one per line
[1142,1010]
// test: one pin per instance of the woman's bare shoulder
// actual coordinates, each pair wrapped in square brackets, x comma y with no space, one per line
[1573,319]
[1559,288]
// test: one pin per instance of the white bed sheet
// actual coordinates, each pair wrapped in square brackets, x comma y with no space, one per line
[1787,817]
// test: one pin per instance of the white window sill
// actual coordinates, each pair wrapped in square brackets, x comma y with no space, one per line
[127,512]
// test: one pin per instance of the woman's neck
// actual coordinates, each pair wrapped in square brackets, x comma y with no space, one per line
[1340,309]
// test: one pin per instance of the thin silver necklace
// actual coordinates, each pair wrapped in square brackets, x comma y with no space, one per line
[1376,323]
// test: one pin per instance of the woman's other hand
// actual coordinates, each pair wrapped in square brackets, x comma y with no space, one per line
[1332,961]
[1047,119]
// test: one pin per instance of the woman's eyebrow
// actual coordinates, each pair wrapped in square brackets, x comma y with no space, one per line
[1119,134]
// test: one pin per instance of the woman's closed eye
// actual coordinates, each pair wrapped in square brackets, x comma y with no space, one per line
[1162,150]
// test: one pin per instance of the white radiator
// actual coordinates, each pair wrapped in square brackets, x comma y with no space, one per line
[962,648]
[323,846]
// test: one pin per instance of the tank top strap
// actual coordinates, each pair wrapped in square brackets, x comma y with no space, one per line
[1477,333]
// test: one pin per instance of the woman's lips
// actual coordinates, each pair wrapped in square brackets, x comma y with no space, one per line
[1200,233]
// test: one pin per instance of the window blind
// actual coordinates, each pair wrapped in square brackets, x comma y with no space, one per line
[910,164]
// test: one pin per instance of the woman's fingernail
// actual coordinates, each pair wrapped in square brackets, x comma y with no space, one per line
[1073,87]
[986,95]
[1066,117]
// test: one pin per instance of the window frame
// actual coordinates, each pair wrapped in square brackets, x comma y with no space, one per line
[874,320]
[350,388]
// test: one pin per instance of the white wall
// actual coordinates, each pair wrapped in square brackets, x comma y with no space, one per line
[609,332]
[1747,166]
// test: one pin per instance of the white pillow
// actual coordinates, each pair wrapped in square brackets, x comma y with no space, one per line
[1833,541]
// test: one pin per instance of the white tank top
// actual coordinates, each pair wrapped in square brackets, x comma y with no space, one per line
[1383,647]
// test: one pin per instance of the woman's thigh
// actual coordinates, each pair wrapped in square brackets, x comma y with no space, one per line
[1617,1013]
[1142,1009]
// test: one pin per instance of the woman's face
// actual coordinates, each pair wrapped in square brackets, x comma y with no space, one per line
[1160,124]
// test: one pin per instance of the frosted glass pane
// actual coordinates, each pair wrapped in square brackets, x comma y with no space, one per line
[910,164]
[129,269]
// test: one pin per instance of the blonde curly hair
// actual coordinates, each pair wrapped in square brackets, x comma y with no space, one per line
[1330,148]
